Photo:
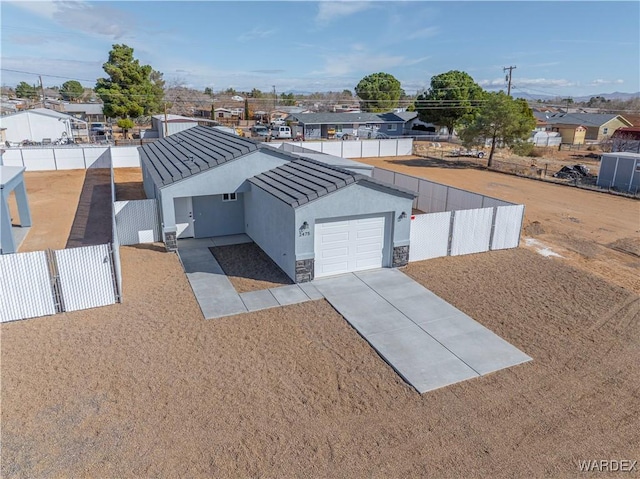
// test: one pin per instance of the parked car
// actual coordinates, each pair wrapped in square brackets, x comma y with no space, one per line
[260,131]
[98,128]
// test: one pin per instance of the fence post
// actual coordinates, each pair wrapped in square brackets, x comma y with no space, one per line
[450,240]
[55,162]
[54,276]
[493,227]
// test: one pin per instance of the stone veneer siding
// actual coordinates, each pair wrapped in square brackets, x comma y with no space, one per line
[400,256]
[304,270]
[171,241]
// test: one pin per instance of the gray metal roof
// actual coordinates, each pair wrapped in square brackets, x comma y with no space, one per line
[337,118]
[192,151]
[584,119]
[303,180]
[88,108]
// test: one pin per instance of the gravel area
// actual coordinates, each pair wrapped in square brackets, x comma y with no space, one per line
[249,268]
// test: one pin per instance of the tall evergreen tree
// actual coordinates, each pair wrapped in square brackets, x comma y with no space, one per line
[379,92]
[132,90]
[452,97]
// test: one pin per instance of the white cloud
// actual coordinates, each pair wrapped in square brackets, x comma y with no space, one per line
[600,81]
[330,11]
[95,18]
[424,33]
[255,34]
[527,82]
[344,64]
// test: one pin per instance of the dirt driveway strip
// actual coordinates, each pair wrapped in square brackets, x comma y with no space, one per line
[594,231]
[148,388]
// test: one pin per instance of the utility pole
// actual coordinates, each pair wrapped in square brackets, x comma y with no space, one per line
[508,78]
[275,97]
[42,91]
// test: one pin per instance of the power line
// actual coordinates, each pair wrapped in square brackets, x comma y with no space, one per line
[45,75]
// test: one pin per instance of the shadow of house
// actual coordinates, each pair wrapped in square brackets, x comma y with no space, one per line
[431,162]
[92,222]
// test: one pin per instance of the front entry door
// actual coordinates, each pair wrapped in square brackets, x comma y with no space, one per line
[184,217]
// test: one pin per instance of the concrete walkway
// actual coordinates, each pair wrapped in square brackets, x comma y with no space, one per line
[427,341]
[214,292]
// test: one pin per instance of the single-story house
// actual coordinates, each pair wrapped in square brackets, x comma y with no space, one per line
[89,112]
[626,139]
[40,124]
[325,125]
[599,126]
[311,218]
[571,134]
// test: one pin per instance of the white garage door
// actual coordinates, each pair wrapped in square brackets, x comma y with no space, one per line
[351,245]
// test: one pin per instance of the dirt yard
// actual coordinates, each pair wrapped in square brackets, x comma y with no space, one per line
[148,388]
[594,231]
[249,268]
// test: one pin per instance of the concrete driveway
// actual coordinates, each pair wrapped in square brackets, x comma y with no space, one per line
[427,341]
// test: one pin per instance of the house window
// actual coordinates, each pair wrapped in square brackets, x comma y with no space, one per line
[229,197]
[605,131]
[393,127]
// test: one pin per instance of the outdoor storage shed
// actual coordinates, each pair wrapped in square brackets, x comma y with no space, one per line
[311,218]
[620,171]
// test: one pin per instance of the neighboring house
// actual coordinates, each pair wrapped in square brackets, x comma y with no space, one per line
[620,171]
[571,134]
[325,125]
[223,114]
[312,219]
[598,126]
[626,139]
[89,112]
[41,123]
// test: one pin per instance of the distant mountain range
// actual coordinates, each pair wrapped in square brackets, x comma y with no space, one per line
[618,95]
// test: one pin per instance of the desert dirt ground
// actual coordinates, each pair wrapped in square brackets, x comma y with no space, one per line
[591,230]
[148,388]
[249,268]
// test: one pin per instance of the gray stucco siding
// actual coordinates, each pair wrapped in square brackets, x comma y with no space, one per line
[270,223]
[230,177]
[354,200]
[214,217]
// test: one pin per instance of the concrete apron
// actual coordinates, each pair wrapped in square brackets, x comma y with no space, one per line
[427,341]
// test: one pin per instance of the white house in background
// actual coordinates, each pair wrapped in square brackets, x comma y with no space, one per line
[39,124]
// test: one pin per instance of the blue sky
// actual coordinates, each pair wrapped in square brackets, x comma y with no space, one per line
[560,48]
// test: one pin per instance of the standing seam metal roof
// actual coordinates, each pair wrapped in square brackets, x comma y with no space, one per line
[303,180]
[192,151]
